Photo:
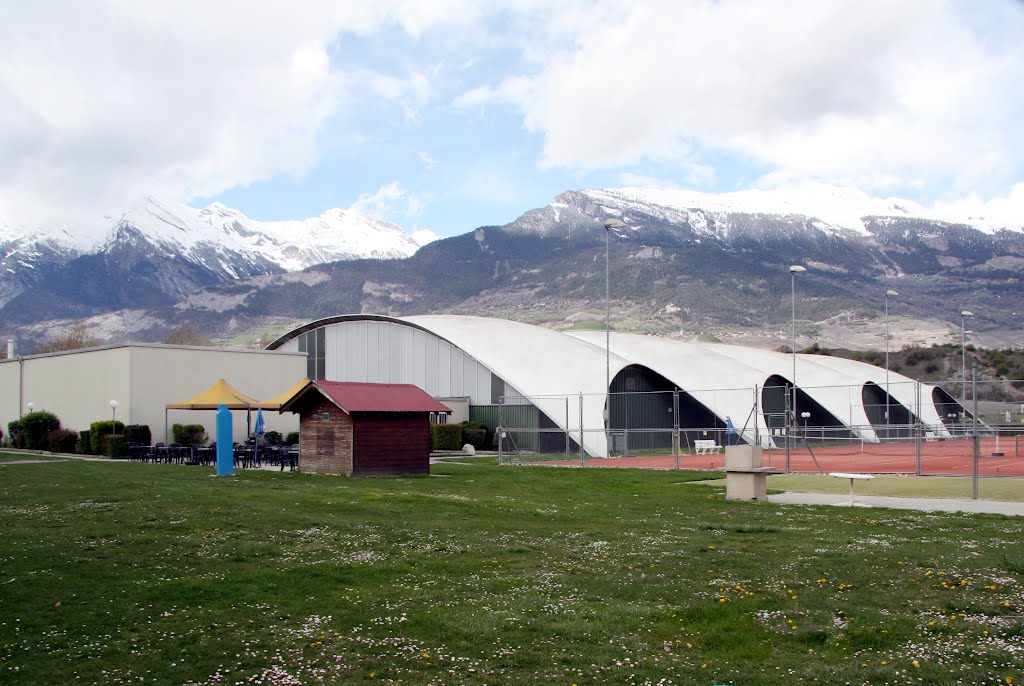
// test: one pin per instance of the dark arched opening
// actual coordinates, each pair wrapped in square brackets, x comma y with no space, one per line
[775,408]
[954,416]
[642,413]
[900,417]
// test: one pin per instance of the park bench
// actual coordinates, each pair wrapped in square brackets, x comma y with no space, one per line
[706,447]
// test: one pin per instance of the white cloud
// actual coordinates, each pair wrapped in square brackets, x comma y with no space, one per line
[428,161]
[424,236]
[390,200]
[104,102]
[853,89]
[1006,211]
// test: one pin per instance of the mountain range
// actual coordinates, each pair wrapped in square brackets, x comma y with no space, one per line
[684,262]
[156,254]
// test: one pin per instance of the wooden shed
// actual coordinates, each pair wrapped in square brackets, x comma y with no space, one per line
[361,429]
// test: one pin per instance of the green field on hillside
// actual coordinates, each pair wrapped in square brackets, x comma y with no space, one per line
[478,574]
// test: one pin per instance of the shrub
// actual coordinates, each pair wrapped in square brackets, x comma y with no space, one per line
[100,433]
[117,446]
[187,434]
[62,441]
[30,431]
[474,433]
[446,436]
[272,437]
[292,438]
[84,443]
[138,433]
[16,432]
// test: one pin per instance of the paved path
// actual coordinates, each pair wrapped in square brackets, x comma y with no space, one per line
[923,504]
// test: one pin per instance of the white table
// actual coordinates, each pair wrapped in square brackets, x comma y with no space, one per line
[852,477]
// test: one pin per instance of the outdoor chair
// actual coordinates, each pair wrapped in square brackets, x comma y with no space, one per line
[290,458]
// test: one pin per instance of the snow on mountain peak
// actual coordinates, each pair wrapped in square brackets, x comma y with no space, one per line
[179,229]
[837,207]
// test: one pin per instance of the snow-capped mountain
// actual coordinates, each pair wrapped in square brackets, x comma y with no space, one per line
[682,260]
[831,208]
[156,253]
[182,230]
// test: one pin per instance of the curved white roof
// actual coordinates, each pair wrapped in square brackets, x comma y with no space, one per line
[548,367]
[545,366]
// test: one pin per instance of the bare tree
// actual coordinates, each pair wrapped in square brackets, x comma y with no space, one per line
[186,334]
[73,338]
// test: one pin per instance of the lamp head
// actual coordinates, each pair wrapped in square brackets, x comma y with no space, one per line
[114,404]
[966,313]
[31,405]
[614,224]
[797,269]
[891,294]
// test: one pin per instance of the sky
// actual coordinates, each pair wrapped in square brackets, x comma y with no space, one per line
[446,115]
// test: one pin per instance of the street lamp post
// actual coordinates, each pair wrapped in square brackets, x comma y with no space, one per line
[888,294]
[113,416]
[793,271]
[963,355]
[608,226]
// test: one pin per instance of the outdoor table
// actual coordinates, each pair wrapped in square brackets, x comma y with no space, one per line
[852,478]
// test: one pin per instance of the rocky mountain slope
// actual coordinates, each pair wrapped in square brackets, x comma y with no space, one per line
[683,263]
[156,254]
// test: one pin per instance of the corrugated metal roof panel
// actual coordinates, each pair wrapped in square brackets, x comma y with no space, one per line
[377,397]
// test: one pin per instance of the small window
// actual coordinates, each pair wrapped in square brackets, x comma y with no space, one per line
[325,416]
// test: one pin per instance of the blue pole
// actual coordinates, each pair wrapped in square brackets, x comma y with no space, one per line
[225,443]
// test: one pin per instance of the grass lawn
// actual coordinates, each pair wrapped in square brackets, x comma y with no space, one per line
[131,573]
[903,486]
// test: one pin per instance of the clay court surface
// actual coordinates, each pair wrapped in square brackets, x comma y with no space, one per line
[946,457]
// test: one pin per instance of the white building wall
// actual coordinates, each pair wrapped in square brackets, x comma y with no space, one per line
[78,386]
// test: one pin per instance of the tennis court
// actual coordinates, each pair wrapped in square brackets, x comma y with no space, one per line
[952,457]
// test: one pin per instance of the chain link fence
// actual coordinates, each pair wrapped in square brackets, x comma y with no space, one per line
[905,428]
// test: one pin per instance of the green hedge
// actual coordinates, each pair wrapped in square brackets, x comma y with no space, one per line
[117,446]
[445,437]
[138,433]
[100,433]
[84,443]
[62,441]
[292,438]
[30,431]
[187,434]
[474,433]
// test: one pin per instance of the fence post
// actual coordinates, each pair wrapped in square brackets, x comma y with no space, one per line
[757,415]
[566,428]
[501,429]
[974,431]
[789,433]
[583,462]
[920,428]
[675,425]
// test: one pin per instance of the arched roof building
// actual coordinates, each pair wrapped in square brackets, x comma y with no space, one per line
[495,362]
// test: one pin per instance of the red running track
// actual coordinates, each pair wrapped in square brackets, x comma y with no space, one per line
[947,457]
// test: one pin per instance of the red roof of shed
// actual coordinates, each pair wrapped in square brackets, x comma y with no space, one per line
[373,397]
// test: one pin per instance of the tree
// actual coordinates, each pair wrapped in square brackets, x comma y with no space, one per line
[76,337]
[186,334]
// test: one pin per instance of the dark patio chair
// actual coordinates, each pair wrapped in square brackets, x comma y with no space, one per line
[290,457]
